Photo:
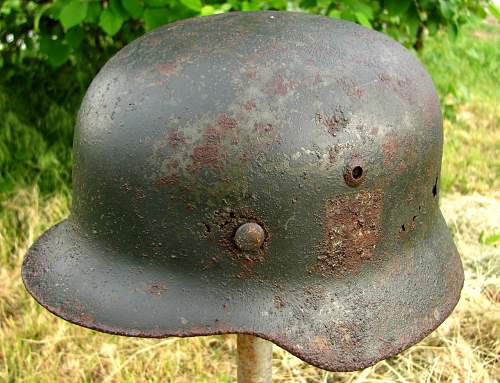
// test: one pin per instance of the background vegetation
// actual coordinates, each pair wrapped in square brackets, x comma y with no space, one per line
[50,50]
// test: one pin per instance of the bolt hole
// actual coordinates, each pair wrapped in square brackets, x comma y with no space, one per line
[208,228]
[435,188]
[357,172]
[403,228]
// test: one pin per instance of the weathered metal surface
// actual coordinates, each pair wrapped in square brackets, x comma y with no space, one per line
[255,359]
[325,134]
[249,237]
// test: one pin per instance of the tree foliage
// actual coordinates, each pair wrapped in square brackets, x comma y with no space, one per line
[83,33]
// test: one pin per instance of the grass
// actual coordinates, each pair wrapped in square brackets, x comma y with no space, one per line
[467,75]
[35,346]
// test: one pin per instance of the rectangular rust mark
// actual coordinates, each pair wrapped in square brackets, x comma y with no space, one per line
[352,228]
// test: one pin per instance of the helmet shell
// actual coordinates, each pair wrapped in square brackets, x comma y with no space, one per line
[325,134]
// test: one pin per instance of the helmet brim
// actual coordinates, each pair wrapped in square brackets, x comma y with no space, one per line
[85,282]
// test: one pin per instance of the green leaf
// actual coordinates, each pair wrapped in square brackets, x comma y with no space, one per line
[207,10]
[361,18]
[110,22]
[57,52]
[93,12]
[117,8]
[433,27]
[490,240]
[73,14]
[278,4]
[412,19]
[38,15]
[135,8]
[10,5]
[155,17]
[357,6]
[397,7]
[452,31]
[57,7]
[157,3]
[74,37]
[194,5]
[335,13]
[250,6]
[445,8]
[494,10]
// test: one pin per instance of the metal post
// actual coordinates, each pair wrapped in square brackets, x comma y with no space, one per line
[255,356]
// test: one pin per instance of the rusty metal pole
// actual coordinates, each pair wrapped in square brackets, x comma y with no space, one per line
[255,356]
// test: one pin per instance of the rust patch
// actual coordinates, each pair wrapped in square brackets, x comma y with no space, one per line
[172,66]
[389,149]
[334,123]
[223,224]
[176,138]
[167,180]
[139,194]
[278,301]
[352,229]
[168,68]
[157,289]
[226,122]
[261,127]
[280,86]
[350,87]
[250,105]
[320,344]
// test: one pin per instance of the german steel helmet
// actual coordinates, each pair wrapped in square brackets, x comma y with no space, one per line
[272,174]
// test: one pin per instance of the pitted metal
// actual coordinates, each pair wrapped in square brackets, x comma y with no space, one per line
[325,135]
[249,237]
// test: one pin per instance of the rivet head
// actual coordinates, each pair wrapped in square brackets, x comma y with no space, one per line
[249,237]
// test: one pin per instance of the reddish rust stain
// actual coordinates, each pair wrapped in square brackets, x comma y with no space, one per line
[223,225]
[206,155]
[332,155]
[172,66]
[157,289]
[126,187]
[245,272]
[278,301]
[168,68]
[333,123]
[320,345]
[350,87]
[389,149]
[139,194]
[226,122]
[352,228]
[176,138]
[278,86]
[250,105]
[262,127]
[167,180]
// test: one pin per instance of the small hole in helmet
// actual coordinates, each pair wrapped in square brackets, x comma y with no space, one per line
[354,172]
[357,172]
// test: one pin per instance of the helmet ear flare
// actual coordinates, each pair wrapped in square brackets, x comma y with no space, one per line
[354,173]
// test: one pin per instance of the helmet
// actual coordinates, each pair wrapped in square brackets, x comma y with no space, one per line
[272,174]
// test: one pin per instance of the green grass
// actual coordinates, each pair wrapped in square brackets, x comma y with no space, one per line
[35,163]
[467,76]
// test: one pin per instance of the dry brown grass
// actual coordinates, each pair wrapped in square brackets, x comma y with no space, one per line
[35,346]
